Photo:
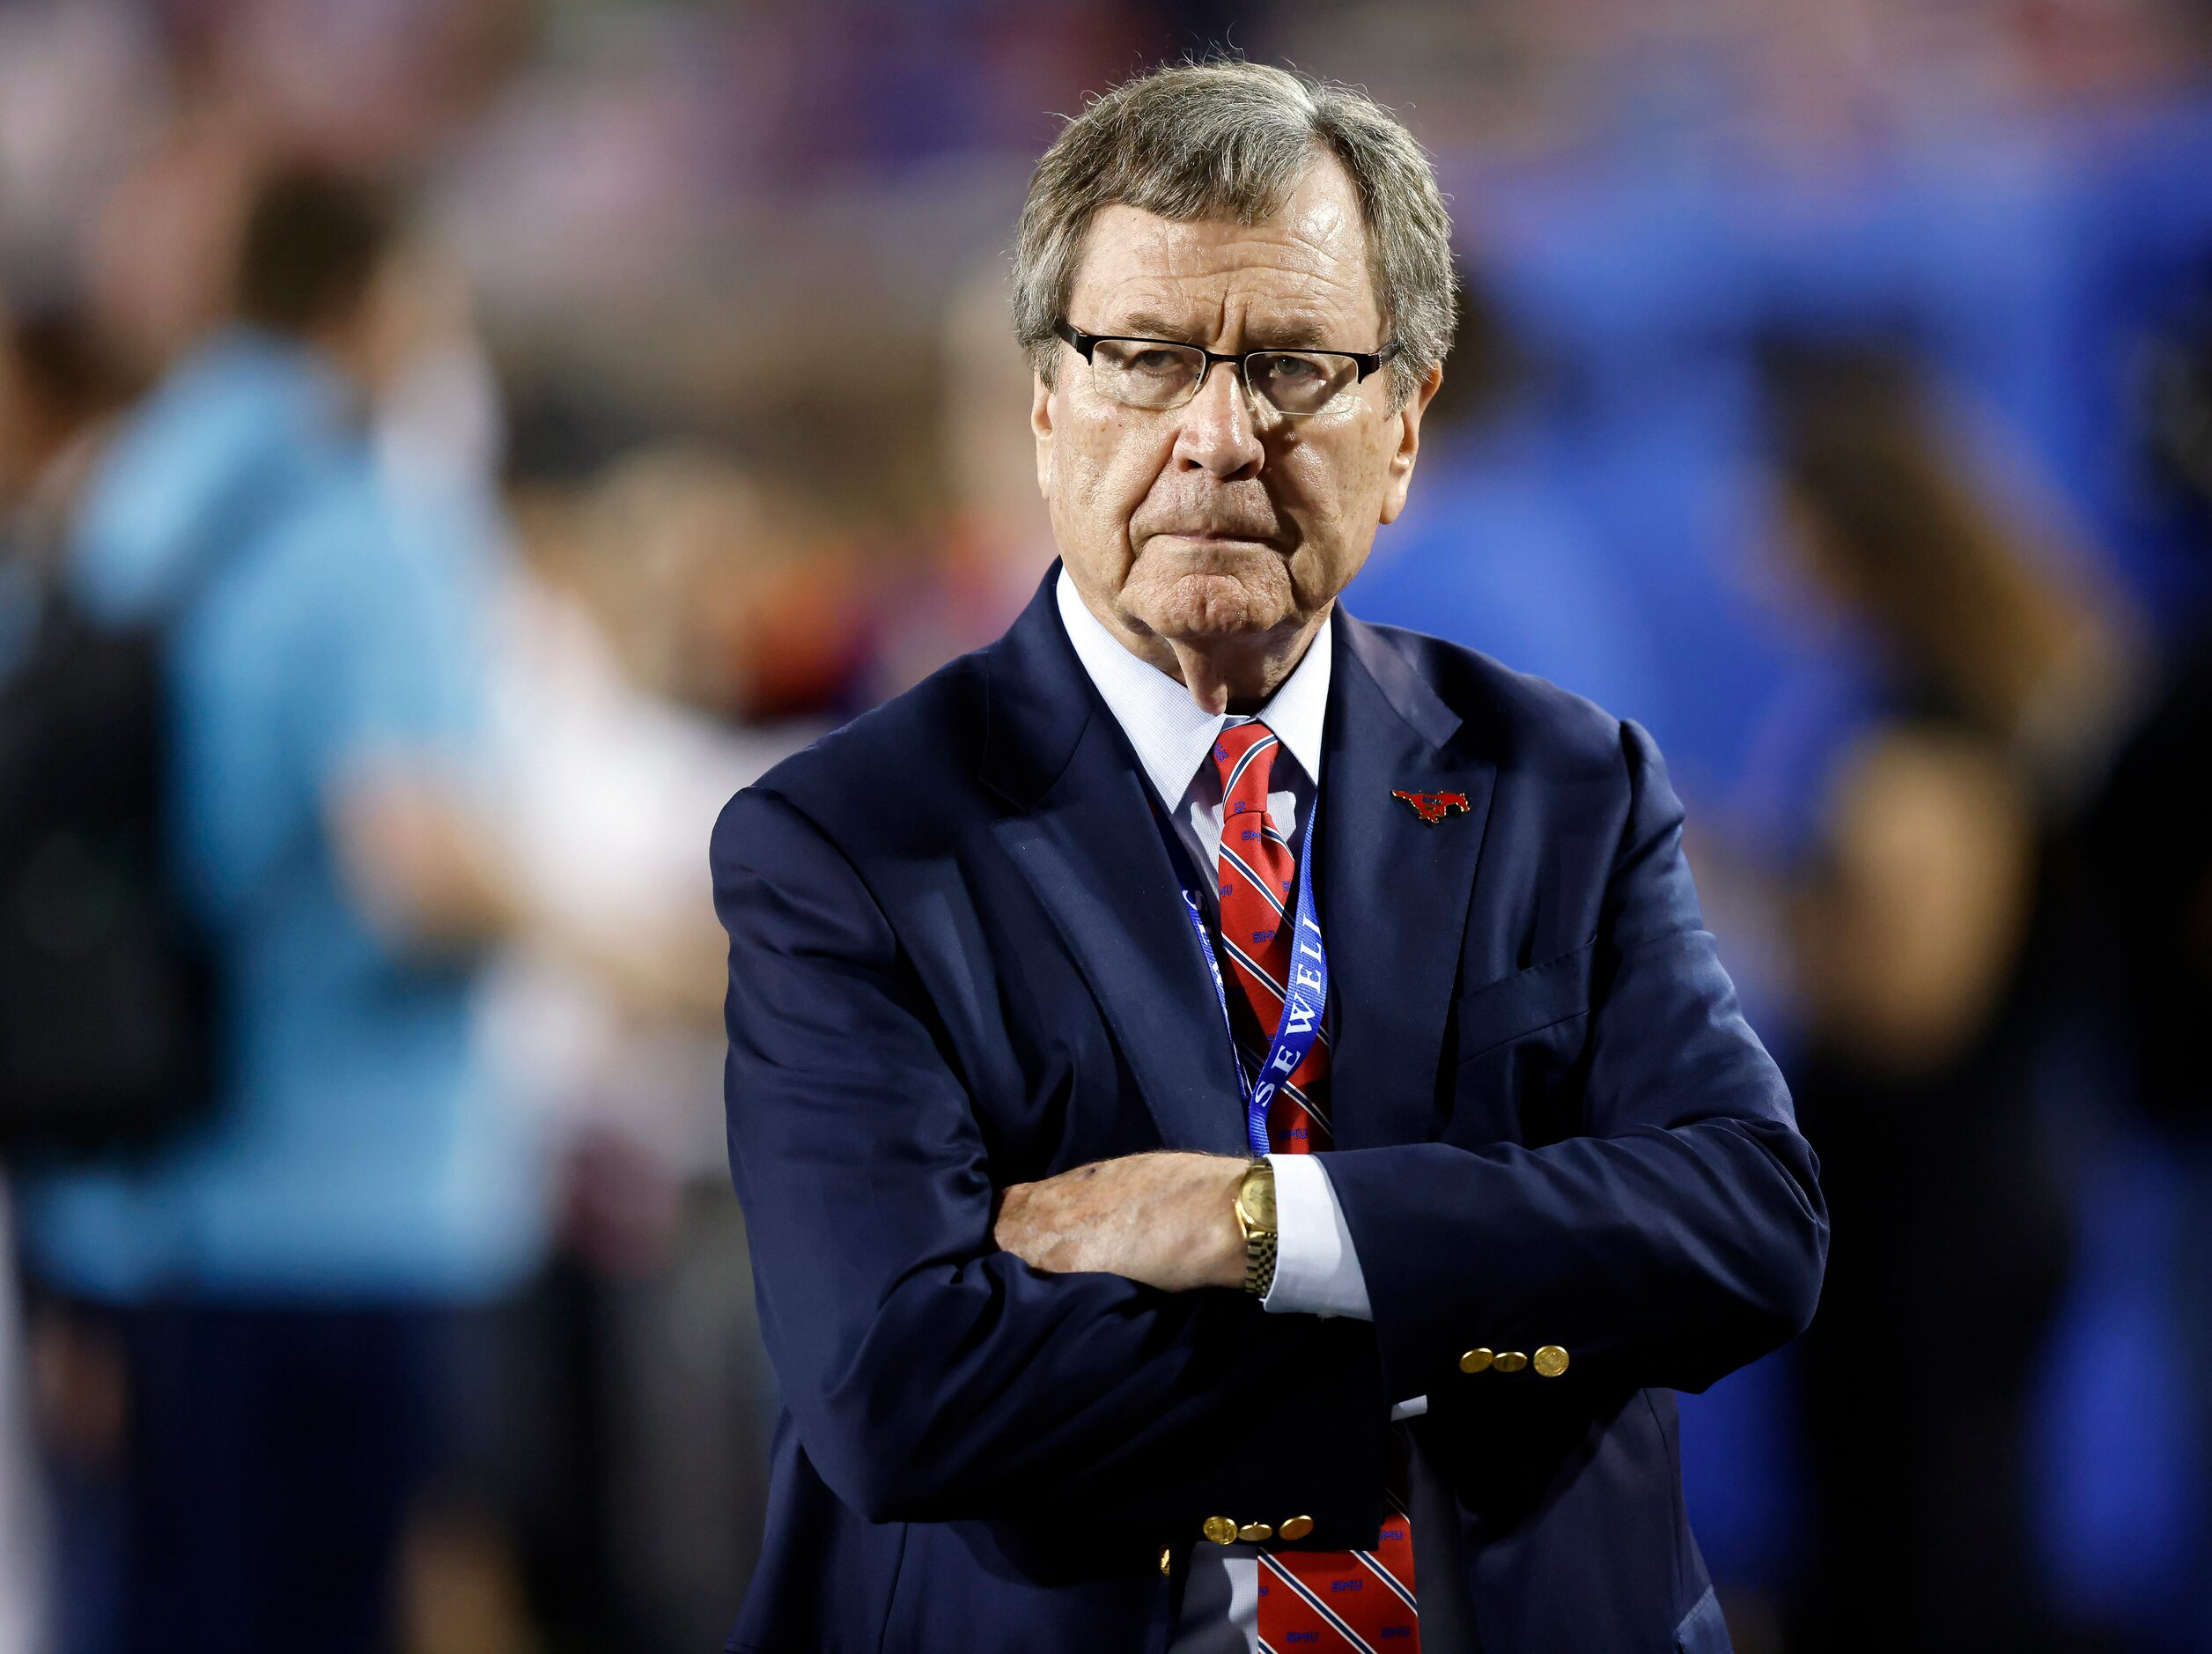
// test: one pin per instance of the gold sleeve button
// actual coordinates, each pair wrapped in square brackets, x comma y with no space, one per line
[1551,1362]
[1167,1559]
[1255,1534]
[1297,1527]
[1510,1361]
[1221,1530]
[1475,1361]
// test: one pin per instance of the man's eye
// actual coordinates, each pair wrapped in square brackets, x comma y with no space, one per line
[1156,361]
[1293,368]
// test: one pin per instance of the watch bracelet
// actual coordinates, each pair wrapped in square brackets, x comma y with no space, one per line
[1259,1262]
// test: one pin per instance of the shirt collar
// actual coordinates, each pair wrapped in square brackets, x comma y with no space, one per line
[1171,734]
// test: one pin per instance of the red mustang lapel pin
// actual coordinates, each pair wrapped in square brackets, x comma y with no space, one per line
[1434,807]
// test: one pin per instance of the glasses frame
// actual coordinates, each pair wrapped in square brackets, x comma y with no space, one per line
[1367,362]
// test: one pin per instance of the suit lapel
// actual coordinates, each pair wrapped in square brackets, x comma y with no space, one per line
[1084,837]
[1395,888]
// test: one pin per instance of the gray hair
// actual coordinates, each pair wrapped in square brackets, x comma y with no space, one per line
[1229,140]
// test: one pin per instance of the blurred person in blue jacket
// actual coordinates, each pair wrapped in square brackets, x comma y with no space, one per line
[279,1288]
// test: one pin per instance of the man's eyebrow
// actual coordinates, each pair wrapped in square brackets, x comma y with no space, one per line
[1148,325]
[1295,333]
[1298,333]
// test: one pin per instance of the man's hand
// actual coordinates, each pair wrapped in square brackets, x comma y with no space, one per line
[1167,1220]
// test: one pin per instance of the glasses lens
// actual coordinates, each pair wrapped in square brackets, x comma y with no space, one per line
[1144,373]
[1301,382]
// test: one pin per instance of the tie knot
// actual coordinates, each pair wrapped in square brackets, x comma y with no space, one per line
[1243,754]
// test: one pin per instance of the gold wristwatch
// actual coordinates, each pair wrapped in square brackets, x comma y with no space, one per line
[1255,1221]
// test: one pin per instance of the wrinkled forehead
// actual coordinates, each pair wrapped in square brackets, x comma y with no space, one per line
[1300,277]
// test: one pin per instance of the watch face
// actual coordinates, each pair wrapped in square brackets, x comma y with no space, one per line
[1255,1199]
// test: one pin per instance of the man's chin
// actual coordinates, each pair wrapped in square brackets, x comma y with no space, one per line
[1212,607]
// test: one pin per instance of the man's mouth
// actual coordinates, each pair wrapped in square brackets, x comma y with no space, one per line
[1217,537]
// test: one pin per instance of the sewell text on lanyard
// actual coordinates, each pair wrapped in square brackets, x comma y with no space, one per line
[1305,993]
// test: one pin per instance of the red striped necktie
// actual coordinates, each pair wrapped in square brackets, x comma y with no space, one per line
[1328,1600]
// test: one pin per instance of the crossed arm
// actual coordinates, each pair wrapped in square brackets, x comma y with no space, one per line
[946,1348]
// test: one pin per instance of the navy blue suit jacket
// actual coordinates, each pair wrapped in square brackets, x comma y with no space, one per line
[958,961]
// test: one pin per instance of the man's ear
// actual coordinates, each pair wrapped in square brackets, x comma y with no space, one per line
[1041,428]
[1399,477]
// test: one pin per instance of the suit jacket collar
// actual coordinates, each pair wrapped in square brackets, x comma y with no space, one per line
[1395,889]
[1393,894]
[1037,702]
[1085,836]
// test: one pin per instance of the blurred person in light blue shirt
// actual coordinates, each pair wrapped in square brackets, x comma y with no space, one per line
[280,1285]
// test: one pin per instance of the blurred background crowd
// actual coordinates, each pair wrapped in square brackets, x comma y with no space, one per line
[521,423]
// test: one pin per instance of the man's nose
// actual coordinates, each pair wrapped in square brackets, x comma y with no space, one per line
[1219,433]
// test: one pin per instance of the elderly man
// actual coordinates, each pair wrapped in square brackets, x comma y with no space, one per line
[1240,1124]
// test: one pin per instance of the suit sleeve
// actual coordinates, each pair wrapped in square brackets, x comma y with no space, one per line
[1680,1235]
[929,1375]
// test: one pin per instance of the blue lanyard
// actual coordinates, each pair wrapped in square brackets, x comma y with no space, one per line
[1305,997]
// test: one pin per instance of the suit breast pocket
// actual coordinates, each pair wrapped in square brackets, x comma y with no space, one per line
[1519,1043]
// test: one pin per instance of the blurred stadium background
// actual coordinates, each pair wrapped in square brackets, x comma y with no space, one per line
[1834,397]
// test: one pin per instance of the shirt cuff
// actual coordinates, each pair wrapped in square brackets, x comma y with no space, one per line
[1316,1270]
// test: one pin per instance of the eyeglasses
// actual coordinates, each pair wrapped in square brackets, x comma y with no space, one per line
[1160,374]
